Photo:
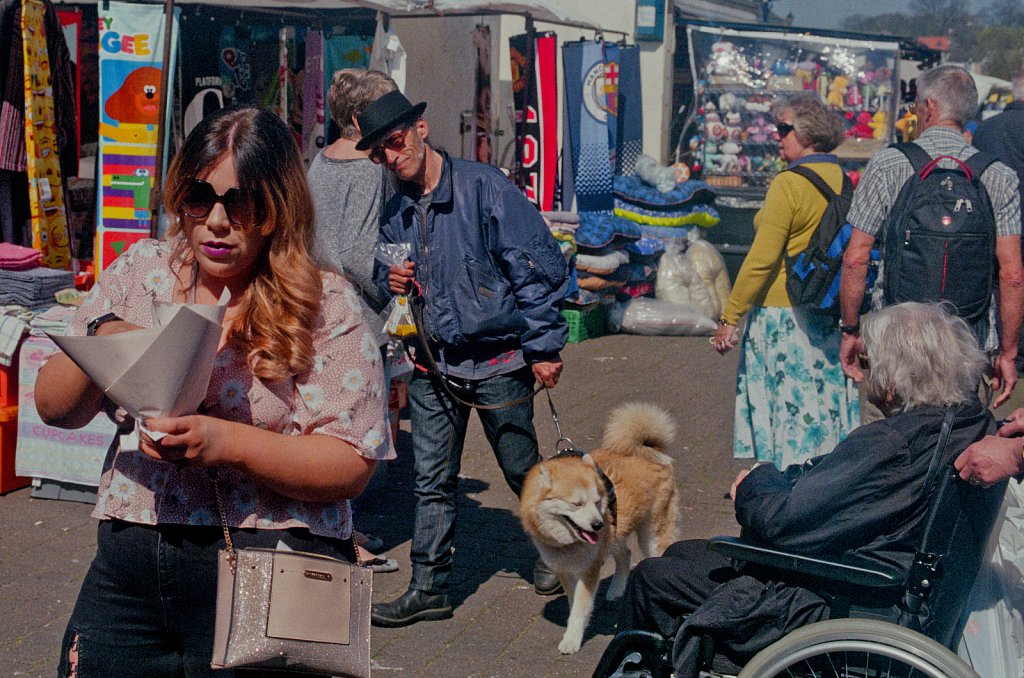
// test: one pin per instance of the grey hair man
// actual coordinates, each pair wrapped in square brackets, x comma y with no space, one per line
[349,189]
[946,100]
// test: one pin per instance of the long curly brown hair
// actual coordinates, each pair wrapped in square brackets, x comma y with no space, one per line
[280,307]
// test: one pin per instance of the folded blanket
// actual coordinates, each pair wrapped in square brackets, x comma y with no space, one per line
[704,216]
[632,190]
[599,230]
[16,258]
[561,217]
[601,265]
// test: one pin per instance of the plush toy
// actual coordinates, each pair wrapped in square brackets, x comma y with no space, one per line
[853,95]
[862,128]
[733,130]
[805,71]
[714,129]
[854,177]
[730,162]
[780,67]
[723,59]
[837,90]
[880,125]
[727,102]
[757,104]
[907,126]
[757,131]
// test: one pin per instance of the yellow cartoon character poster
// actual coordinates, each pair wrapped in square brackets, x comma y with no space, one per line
[50,233]
[131,111]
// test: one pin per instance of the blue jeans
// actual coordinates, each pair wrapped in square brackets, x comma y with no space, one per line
[438,434]
[146,608]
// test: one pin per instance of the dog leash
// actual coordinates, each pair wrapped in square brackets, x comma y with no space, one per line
[417,304]
[562,438]
[570,451]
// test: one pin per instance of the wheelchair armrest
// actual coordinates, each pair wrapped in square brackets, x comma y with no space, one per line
[846,568]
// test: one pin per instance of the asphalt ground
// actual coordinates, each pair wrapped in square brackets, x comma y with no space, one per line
[501,627]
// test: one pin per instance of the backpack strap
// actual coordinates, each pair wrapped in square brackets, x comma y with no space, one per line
[818,182]
[917,156]
[979,162]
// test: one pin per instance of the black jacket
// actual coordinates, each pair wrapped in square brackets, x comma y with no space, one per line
[866,496]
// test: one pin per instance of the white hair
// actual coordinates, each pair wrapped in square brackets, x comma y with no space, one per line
[922,354]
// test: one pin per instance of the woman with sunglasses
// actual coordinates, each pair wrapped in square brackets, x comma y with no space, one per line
[291,427]
[792,400]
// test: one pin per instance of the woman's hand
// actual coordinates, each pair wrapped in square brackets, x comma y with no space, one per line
[195,439]
[725,338]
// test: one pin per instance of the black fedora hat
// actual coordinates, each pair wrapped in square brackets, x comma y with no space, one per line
[385,114]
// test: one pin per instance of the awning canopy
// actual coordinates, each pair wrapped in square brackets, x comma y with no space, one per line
[547,11]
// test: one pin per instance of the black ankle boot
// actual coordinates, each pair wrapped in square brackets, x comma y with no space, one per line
[411,607]
[545,582]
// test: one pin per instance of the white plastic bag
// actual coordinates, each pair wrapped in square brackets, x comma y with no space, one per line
[659,317]
[709,265]
[398,320]
[678,281]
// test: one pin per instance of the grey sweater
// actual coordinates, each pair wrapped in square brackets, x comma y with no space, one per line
[348,195]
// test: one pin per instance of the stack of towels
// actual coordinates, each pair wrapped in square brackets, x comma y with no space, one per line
[33,288]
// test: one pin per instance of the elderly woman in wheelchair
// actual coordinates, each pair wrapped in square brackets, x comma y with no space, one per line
[880,531]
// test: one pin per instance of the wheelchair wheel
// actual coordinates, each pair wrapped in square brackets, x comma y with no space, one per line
[856,648]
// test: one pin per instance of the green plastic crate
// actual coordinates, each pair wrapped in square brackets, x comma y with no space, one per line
[587,323]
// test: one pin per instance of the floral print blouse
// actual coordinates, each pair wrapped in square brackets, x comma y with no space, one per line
[342,395]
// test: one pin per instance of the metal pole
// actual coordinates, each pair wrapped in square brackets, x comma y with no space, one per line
[156,192]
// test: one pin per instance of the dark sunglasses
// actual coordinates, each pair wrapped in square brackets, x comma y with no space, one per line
[784,128]
[394,141]
[200,199]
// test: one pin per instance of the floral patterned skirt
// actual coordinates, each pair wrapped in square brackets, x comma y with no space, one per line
[793,401]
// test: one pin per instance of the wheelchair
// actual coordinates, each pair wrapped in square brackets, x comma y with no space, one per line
[884,621]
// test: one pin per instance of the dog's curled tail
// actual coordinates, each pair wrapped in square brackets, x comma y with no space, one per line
[640,429]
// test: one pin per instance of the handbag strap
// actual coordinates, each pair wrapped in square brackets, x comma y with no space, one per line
[232,555]
[230,546]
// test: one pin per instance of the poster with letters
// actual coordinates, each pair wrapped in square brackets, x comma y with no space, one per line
[131,54]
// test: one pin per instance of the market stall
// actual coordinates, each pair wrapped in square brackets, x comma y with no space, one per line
[736,73]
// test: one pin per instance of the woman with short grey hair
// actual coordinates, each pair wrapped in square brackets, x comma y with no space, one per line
[921,355]
[863,498]
[815,125]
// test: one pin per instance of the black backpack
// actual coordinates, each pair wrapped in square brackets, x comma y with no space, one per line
[940,237]
[812,276]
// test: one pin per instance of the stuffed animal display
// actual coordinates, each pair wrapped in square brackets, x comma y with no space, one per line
[739,78]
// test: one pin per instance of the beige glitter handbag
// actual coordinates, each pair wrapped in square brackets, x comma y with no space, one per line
[290,610]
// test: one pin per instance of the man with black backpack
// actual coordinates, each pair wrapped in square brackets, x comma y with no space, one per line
[948,219]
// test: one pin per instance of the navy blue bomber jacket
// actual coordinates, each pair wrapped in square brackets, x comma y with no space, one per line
[489,268]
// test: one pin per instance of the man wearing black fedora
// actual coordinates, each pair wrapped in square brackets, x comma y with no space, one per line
[490,278]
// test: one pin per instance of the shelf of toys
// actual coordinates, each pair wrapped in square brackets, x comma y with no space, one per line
[739,74]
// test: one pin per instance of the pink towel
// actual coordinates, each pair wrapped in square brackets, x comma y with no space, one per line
[16,258]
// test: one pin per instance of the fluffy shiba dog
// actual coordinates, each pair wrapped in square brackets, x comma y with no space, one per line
[567,509]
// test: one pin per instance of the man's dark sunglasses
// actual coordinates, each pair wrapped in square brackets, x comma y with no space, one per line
[784,128]
[394,141]
[200,199]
